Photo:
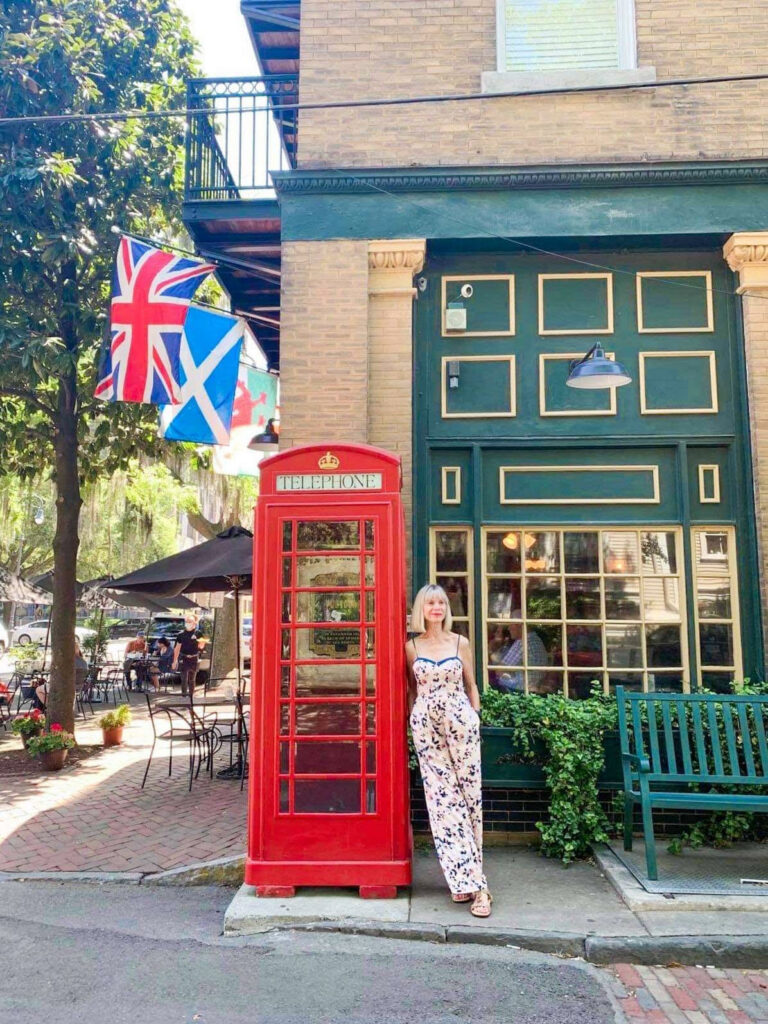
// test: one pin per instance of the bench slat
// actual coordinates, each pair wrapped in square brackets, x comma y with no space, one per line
[669,738]
[714,739]
[685,739]
[761,741]
[746,737]
[653,737]
[701,749]
[637,730]
[730,735]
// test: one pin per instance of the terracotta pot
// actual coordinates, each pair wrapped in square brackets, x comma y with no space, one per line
[113,737]
[53,760]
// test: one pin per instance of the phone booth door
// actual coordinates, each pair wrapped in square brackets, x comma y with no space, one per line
[331,775]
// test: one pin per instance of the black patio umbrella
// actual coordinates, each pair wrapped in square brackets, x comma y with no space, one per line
[16,588]
[223,563]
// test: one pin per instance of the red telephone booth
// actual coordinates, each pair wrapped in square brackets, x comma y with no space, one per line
[329,766]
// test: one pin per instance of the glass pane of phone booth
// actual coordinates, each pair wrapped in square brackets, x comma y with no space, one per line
[327,749]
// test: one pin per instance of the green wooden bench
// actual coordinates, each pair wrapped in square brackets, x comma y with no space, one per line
[684,739]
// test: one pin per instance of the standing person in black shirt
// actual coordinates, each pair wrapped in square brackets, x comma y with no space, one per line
[186,654]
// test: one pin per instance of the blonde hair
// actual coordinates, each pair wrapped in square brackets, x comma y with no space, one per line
[417,612]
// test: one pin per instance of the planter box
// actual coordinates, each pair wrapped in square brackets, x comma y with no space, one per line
[504,768]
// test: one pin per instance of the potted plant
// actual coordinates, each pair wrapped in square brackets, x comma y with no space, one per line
[28,725]
[112,725]
[51,747]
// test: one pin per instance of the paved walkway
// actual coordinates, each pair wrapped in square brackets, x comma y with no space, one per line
[691,995]
[95,817]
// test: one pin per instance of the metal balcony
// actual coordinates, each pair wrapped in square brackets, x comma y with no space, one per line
[241,134]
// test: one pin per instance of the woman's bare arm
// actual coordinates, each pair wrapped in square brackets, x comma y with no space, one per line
[465,653]
[410,654]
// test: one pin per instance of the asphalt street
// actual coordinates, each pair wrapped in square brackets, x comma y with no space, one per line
[90,954]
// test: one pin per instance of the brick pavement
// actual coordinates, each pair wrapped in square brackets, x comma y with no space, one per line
[95,817]
[690,995]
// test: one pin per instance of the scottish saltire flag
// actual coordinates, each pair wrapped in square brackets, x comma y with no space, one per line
[209,357]
[151,292]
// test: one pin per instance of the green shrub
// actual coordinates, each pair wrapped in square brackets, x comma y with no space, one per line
[116,719]
[572,733]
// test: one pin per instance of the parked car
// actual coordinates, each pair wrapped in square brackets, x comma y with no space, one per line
[246,634]
[5,641]
[37,631]
[168,626]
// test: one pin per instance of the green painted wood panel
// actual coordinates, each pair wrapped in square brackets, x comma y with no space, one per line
[577,303]
[573,301]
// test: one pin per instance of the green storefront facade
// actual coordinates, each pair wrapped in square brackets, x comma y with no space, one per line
[581,536]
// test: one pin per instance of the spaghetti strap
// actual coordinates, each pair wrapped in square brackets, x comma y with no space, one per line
[458,641]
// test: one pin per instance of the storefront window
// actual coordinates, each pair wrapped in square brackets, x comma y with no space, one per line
[451,568]
[714,570]
[567,608]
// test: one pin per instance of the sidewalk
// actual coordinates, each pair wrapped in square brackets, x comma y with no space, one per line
[96,818]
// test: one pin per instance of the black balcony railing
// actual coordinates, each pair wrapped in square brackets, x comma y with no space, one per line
[241,134]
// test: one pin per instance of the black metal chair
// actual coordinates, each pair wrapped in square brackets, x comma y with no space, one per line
[184,725]
[83,687]
[234,732]
[112,684]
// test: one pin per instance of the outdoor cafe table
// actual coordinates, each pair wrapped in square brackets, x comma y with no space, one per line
[214,701]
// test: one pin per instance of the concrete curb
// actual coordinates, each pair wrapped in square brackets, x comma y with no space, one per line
[225,871]
[747,951]
[101,877]
[698,951]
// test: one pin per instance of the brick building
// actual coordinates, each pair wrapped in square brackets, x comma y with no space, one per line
[581,535]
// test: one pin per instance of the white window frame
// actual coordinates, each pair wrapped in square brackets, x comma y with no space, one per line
[627,71]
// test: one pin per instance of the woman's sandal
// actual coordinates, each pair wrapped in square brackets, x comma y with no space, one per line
[481,904]
[461,897]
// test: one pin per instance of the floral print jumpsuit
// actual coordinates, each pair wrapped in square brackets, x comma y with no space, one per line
[446,734]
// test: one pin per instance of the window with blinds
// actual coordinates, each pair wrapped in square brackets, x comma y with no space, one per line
[562,35]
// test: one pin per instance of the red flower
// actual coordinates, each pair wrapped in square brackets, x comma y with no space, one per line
[37,714]
[56,727]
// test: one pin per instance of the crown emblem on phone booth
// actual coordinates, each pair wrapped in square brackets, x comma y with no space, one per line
[328,461]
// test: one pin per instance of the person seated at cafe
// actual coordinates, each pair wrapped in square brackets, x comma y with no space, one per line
[186,654]
[81,669]
[135,651]
[162,672]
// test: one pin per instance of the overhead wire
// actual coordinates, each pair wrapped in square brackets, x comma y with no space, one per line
[274,102]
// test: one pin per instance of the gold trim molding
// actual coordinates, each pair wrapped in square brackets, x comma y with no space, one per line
[746,253]
[392,264]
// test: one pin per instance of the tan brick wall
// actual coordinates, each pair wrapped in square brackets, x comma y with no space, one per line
[382,48]
[324,342]
[756,348]
[346,346]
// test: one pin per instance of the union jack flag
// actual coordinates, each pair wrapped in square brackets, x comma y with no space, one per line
[151,292]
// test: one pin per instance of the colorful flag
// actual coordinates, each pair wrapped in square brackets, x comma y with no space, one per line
[208,361]
[151,292]
[255,404]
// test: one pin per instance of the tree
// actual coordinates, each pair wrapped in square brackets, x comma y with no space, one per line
[64,187]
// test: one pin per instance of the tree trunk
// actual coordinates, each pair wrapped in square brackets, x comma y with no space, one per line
[224,644]
[65,544]
[61,696]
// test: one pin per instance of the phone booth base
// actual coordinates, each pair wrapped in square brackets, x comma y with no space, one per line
[328,797]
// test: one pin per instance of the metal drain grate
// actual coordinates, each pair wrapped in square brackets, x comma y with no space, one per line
[739,871]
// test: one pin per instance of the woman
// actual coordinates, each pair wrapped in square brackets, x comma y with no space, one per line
[444,707]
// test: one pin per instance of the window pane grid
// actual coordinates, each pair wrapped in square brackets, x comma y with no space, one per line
[651,558]
[317,729]
[450,566]
[718,646]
